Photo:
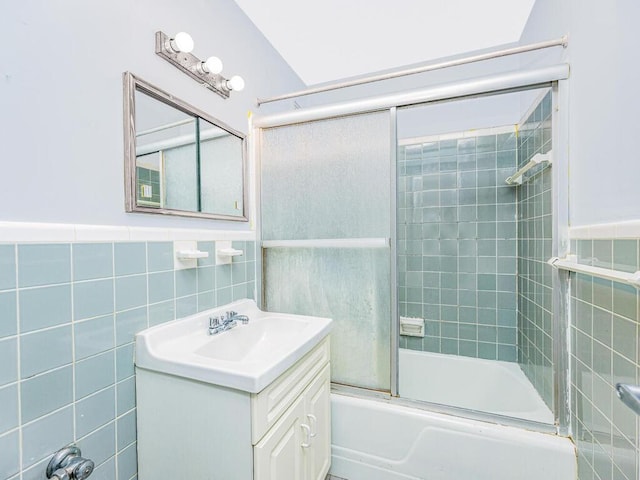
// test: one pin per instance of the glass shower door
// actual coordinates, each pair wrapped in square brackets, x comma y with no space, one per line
[325,231]
[472,252]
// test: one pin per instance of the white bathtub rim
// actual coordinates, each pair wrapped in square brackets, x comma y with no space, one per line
[538,411]
[459,422]
[368,460]
[447,410]
[348,466]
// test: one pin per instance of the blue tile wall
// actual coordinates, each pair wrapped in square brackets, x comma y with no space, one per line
[7,267]
[535,223]
[92,260]
[8,313]
[68,316]
[44,264]
[45,393]
[9,461]
[9,401]
[44,307]
[604,337]
[130,258]
[457,244]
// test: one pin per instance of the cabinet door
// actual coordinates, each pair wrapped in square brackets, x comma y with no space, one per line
[279,455]
[318,416]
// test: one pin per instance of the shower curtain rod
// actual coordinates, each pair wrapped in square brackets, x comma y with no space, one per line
[562,41]
[474,86]
[165,127]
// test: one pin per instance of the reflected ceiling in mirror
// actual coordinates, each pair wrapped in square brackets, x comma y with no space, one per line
[179,160]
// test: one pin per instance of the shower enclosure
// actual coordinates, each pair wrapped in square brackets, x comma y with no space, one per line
[470,242]
[399,223]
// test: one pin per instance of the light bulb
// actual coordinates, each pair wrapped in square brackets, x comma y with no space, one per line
[212,65]
[236,83]
[182,42]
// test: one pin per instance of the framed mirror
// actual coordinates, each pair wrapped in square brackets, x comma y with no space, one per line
[178,159]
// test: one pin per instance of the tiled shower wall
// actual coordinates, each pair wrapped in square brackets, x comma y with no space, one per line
[68,315]
[604,336]
[535,223]
[457,243]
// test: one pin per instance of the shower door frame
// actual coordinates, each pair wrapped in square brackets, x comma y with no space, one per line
[556,78]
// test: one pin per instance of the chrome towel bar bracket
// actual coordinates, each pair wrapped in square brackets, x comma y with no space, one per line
[630,396]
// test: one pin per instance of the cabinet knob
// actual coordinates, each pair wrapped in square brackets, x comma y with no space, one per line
[307,431]
[313,421]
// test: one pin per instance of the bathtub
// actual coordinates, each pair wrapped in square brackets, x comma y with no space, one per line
[376,440]
[484,385]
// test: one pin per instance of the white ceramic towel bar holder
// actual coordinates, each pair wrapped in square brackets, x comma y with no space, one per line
[571,264]
[225,252]
[538,158]
[186,254]
[190,254]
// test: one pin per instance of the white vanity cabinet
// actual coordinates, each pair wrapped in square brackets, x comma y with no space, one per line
[298,445]
[192,429]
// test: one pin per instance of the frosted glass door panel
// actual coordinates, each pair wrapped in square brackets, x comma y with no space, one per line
[221,175]
[181,178]
[351,286]
[327,179]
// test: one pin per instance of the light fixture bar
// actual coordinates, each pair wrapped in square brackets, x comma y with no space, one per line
[188,63]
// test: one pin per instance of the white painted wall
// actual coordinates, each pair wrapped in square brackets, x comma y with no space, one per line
[373,35]
[61,126]
[604,107]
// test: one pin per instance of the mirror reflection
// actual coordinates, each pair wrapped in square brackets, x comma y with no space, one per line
[185,163]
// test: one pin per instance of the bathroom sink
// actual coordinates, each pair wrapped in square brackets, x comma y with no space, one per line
[247,357]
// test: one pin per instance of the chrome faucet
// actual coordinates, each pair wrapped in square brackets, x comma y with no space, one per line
[235,316]
[226,322]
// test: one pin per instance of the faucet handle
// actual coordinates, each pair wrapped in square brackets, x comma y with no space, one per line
[83,469]
[214,322]
[231,314]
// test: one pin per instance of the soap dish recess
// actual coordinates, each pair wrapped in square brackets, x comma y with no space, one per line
[412,327]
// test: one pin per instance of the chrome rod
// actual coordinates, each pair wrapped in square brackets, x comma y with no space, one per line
[166,127]
[629,395]
[419,69]
[560,245]
[328,243]
[181,141]
[395,304]
[570,264]
[516,178]
[531,78]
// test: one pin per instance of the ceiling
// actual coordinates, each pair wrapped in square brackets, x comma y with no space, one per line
[333,39]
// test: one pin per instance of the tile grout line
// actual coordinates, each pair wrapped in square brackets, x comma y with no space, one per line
[19,364]
[115,360]
[73,343]
[146,270]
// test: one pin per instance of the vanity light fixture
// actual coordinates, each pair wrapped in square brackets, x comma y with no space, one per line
[236,83]
[210,65]
[182,42]
[177,51]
